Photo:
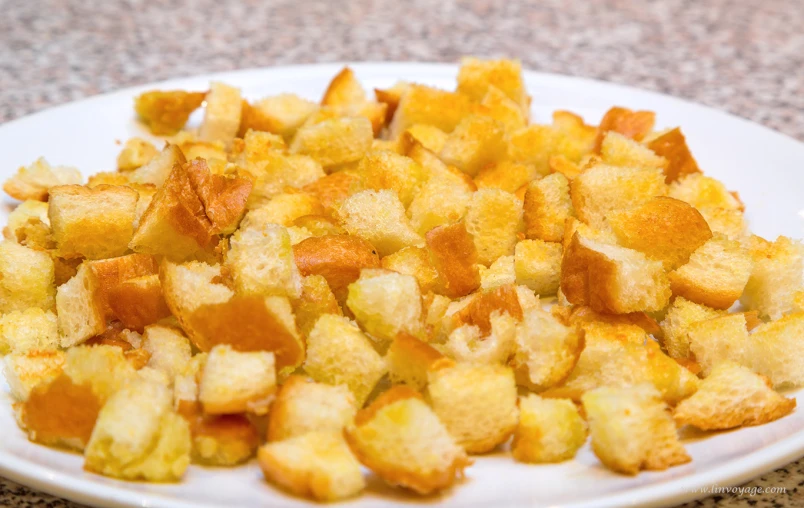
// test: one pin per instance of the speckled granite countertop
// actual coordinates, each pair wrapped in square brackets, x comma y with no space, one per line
[745,57]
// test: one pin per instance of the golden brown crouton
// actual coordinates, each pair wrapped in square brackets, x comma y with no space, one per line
[334,142]
[316,299]
[681,314]
[166,112]
[345,96]
[494,218]
[701,191]
[500,273]
[475,142]
[477,76]
[455,257]
[402,440]
[282,209]
[391,97]
[303,406]
[261,262]
[28,330]
[24,371]
[431,137]
[538,265]
[631,124]
[718,339]
[715,275]
[280,114]
[139,302]
[111,273]
[777,275]
[547,207]
[385,303]
[409,359]
[332,189]
[730,223]
[478,308]
[235,382]
[632,430]
[222,114]
[673,146]
[505,175]
[618,150]
[318,465]
[443,200]
[35,181]
[732,396]
[158,168]
[219,440]
[421,104]
[414,261]
[379,217]
[381,169]
[775,350]
[135,153]
[80,314]
[549,430]
[497,105]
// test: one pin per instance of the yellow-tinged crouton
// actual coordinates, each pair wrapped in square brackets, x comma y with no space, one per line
[443,200]
[732,396]
[402,440]
[235,382]
[497,105]
[261,262]
[435,307]
[774,350]
[282,209]
[430,136]
[135,153]
[777,275]
[219,440]
[80,314]
[385,303]
[631,124]
[339,353]
[169,349]
[316,299]
[138,302]
[303,406]
[23,371]
[275,171]
[547,207]
[318,465]
[475,142]
[222,114]
[631,429]
[345,95]
[454,255]
[716,274]
[494,218]
[619,150]
[280,114]
[103,368]
[663,228]
[421,104]
[28,330]
[138,437]
[507,175]
[157,170]
[166,112]
[468,344]
[718,339]
[477,309]
[29,225]
[549,430]
[701,191]
[381,169]
[728,222]
[409,359]
[379,217]
[36,180]
[500,273]
[681,314]
[391,97]
[334,142]
[477,76]
[414,261]
[476,403]
[673,146]
[93,223]
[537,265]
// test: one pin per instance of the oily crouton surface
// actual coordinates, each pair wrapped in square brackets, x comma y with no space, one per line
[549,430]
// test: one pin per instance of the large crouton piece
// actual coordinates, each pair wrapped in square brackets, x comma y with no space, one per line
[283,209]
[681,314]
[618,150]
[402,440]
[430,106]
[235,382]
[169,349]
[732,396]
[166,112]
[497,105]
[339,354]
[547,207]
[475,142]
[663,228]
[337,258]
[506,175]
[111,273]
[222,114]
[549,430]
[409,359]
[138,302]
[477,76]
[382,169]
[612,279]
[500,273]
[35,181]
[303,406]
[280,114]
[454,255]
[332,189]
[777,275]
[494,218]
[379,217]
[631,124]
[443,200]
[24,371]
[27,278]
[715,275]
[93,223]
[80,314]
[414,261]
[775,351]
[334,142]
[476,403]
[477,310]
[538,265]
[702,191]
[28,330]
[318,465]
[673,146]
[719,339]
[261,261]
[385,303]
[632,430]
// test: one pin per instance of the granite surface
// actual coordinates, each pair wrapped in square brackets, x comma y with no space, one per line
[745,57]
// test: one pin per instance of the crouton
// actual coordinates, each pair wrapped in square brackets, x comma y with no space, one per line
[332,189]
[135,153]
[537,265]
[549,430]
[619,150]
[612,279]
[547,207]
[261,262]
[402,440]
[716,274]
[494,218]
[381,169]
[777,275]
[80,315]
[138,437]
[169,349]
[631,124]
[303,406]
[673,146]
[316,299]
[29,225]
[774,350]
[236,382]
[497,105]
[500,273]
[282,209]
[421,104]
[24,371]
[701,191]
[730,223]
[111,273]
[157,170]
[663,228]
[601,189]
[505,175]
[391,97]
[222,114]
[28,330]
[338,353]
[379,217]
[35,181]
[480,306]
[334,142]
[274,171]
[318,465]
[431,137]
[166,112]
[104,368]
[718,339]
[385,303]
[413,261]
[681,314]
[219,440]
[443,200]
[732,396]
[546,350]
[630,327]
[476,403]
[409,359]
[632,430]
[280,114]
[346,97]
[434,308]
[475,142]
[477,76]
[139,302]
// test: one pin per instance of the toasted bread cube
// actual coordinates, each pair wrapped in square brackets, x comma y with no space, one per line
[631,429]
[29,225]
[476,403]
[261,262]
[222,114]
[719,339]
[547,207]
[302,406]
[35,181]
[338,353]
[413,261]
[391,97]
[334,142]
[273,172]
[505,175]
[443,200]
[402,440]
[385,303]
[421,104]
[777,275]
[28,330]
[494,218]
[455,256]
[549,430]
[500,273]
[469,344]
[166,112]
[681,314]
[169,349]
[318,465]
[139,302]
[431,137]
[103,367]
[157,170]
[774,350]
[332,189]
[663,228]
[24,371]
[135,153]
[497,105]
[732,396]
[316,299]
[283,114]
[26,278]
[476,77]
[619,150]
[477,309]
[382,169]
[601,189]
[612,279]
[475,142]
[379,217]
[409,360]
[546,350]
[80,315]
[219,440]
[111,273]
[631,124]
[235,382]
[673,146]
[730,223]
[716,274]
[701,191]
[92,223]
[538,265]
[138,437]
[282,209]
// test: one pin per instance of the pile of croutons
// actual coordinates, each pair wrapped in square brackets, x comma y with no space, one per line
[358,282]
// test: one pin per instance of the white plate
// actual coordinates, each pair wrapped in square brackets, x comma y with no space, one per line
[764,166]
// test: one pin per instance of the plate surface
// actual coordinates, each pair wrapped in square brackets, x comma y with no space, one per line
[764,166]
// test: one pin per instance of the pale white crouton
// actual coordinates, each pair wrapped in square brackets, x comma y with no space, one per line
[702,191]
[34,181]
[285,112]
[718,339]
[169,349]
[27,278]
[467,343]
[537,265]
[235,382]
[681,314]
[775,350]
[25,370]
[493,219]
[776,276]
[136,152]
[549,430]
[500,273]
[31,329]
[261,262]
[379,217]
[222,114]
[80,315]
[385,303]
